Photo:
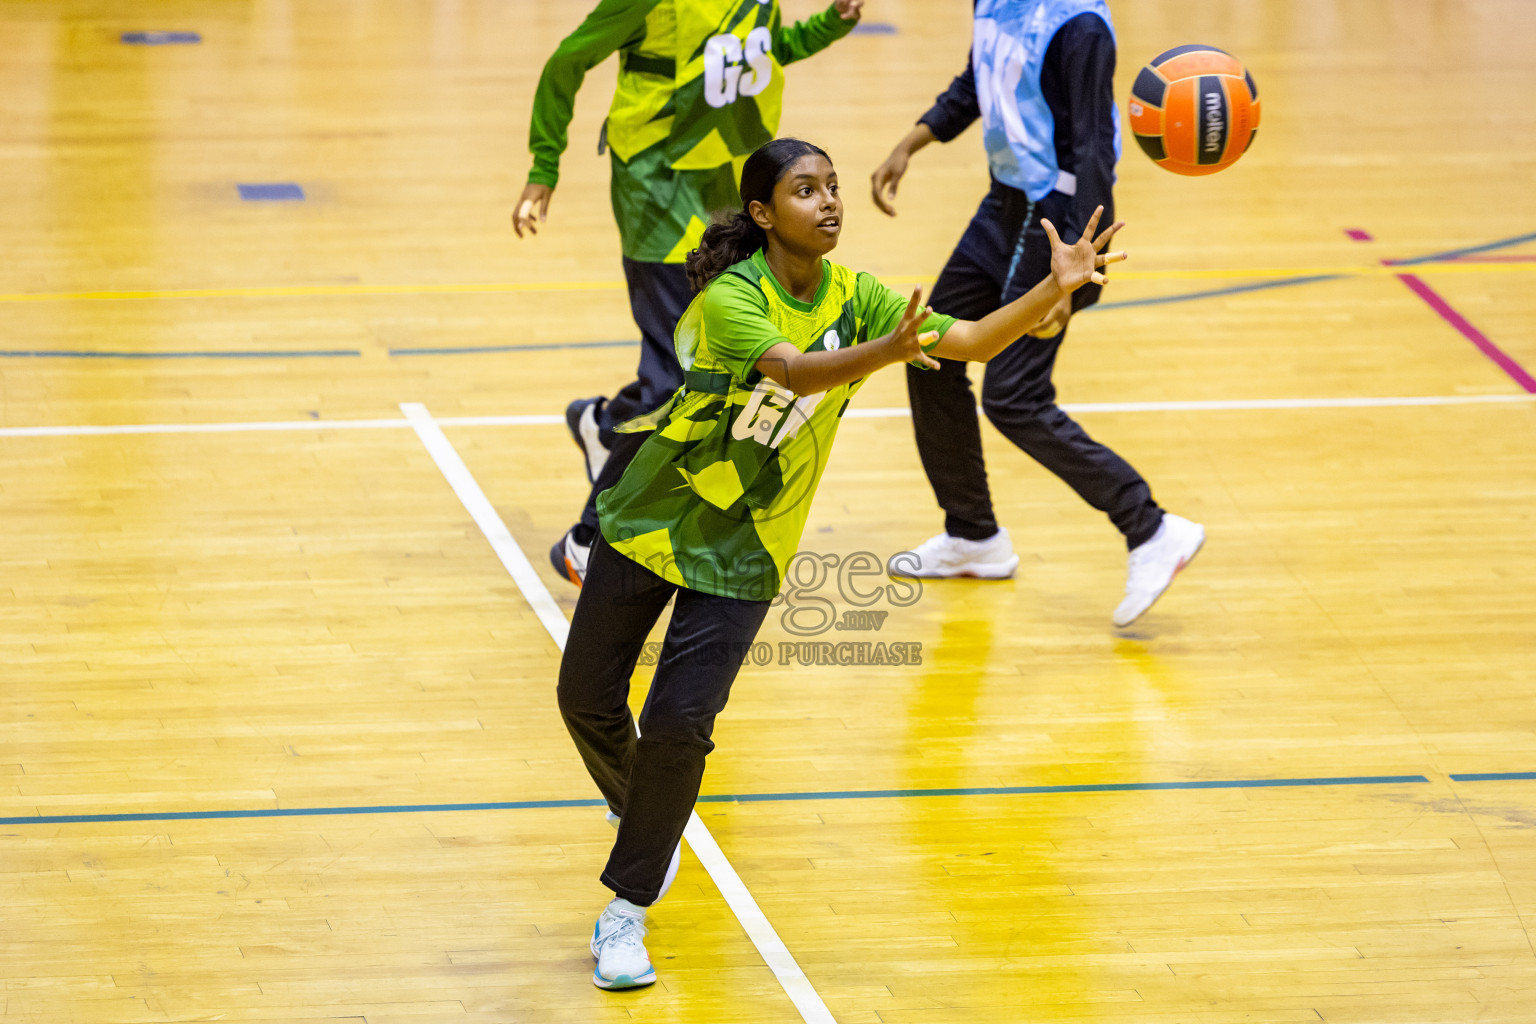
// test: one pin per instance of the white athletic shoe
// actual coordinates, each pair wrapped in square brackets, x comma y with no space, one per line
[945,556]
[581,419]
[677,859]
[570,558]
[618,945]
[1154,565]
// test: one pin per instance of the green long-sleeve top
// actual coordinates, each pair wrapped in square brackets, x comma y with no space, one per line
[700,87]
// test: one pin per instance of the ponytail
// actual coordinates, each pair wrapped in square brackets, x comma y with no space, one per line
[735,236]
[732,238]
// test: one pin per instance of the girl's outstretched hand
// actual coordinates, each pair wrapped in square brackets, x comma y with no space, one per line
[1077,264]
[905,341]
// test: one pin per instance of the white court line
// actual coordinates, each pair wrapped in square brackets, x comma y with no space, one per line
[1221,405]
[501,421]
[199,428]
[778,957]
[1296,403]
[796,985]
[552,419]
[485,517]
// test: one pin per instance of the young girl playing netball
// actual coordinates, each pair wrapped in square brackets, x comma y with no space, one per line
[774,346]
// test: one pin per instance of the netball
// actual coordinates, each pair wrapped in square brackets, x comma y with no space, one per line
[1194,109]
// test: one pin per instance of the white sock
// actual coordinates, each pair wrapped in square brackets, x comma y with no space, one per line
[1162,528]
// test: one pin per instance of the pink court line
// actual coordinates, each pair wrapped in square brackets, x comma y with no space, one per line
[1359,234]
[1472,334]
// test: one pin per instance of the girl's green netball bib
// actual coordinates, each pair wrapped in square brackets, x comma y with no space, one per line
[717,498]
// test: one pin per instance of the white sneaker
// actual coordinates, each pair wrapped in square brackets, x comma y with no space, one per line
[945,556]
[677,859]
[618,944]
[570,558]
[581,420]
[1155,564]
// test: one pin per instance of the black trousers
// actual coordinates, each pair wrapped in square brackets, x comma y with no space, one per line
[1003,253]
[650,782]
[658,295]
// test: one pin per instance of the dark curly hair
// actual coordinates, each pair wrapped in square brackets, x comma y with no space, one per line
[734,236]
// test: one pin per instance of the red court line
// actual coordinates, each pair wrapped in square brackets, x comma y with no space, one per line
[1472,334]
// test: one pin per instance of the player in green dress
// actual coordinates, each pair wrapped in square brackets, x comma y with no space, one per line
[700,86]
[709,512]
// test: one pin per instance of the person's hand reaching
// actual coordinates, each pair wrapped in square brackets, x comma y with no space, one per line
[1079,263]
[905,342]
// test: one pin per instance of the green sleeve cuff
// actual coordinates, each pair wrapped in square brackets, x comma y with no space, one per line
[836,26]
[848,26]
[936,322]
[811,36]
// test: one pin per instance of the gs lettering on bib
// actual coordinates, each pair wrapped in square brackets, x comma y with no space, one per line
[729,89]
[733,69]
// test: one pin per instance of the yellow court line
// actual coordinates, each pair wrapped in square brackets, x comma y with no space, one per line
[335,290]
[319,290]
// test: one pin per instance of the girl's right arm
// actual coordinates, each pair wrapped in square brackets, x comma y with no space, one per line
[610,26]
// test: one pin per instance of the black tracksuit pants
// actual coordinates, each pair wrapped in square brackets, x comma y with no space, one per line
[650,782]
[1003,253]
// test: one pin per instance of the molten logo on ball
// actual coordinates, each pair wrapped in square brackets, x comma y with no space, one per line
[1213,124]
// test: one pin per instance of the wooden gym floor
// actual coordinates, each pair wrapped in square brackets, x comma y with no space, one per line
[278,738]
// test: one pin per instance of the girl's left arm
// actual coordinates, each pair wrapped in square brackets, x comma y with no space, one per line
[979,340]
[1072,266]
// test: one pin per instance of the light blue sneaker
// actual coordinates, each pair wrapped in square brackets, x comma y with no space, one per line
[618,944]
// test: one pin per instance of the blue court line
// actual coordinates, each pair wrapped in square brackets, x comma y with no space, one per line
[468,349]
[1492,776]
[722,798]
[271,192]
[1104,787]
[1191,296]
[1284,282]
[62,353]
[1450,254]
[160,38]
[300,812]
